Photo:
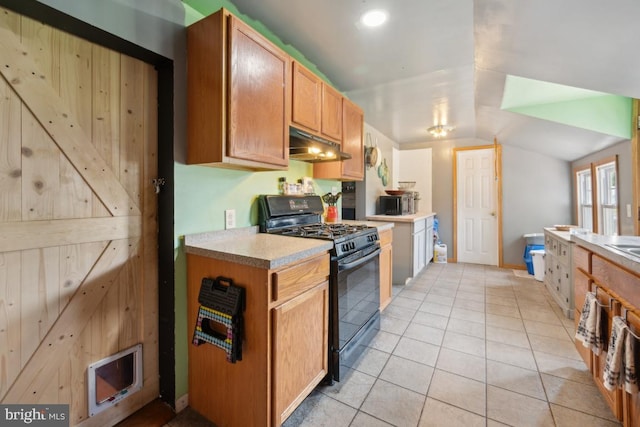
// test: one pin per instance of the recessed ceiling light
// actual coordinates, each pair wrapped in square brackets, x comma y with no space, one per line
[374,18]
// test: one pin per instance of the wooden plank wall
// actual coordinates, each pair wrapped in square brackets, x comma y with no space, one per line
[78,263]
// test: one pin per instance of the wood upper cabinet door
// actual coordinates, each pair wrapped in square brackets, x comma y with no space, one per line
[306,100]
[257,123]
[331,113]
[299,349]
[352,141]
[238,96]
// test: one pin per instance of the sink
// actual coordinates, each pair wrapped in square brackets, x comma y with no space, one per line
[626,248]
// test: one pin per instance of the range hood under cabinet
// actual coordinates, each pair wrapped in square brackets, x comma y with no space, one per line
[311,148]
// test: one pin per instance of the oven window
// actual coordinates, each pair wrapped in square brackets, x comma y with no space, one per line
[358,298]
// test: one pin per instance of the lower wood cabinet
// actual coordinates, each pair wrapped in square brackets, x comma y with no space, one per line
[284,352]
[631,402]
[617,292]
[612,308]
[582,286]
[300,345]
[386,267]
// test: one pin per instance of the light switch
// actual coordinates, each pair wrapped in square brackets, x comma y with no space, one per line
[628,211]
[230,218]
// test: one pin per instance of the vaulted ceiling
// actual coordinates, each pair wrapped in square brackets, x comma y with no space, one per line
[447,61]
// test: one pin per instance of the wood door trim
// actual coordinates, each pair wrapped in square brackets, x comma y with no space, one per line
[68,328]
[18,236]
[22,74]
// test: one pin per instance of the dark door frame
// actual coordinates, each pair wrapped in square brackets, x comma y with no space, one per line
[165,68]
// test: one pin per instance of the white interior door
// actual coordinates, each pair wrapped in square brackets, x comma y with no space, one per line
[477,225]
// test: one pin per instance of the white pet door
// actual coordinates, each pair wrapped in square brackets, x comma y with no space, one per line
[113,378]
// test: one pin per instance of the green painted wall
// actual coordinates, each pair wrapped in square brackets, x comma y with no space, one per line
[586,109]
[197,9]
[202,194]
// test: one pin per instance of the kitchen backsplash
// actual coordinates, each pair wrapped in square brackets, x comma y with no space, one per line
[202,194]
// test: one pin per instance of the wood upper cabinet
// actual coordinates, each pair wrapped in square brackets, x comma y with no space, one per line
[316,106]
[331,113]
[306,104]
[238,96]
[352,143]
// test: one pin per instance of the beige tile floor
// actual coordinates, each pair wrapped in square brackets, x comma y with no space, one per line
[463,345]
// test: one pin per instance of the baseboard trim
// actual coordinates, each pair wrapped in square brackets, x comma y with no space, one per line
[182,402]
[514,266]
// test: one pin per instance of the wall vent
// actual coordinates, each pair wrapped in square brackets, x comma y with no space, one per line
[114,378]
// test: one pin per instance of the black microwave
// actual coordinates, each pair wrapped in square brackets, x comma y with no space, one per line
[394,205]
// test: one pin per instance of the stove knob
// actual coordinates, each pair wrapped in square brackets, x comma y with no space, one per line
[353,245]
[345,247]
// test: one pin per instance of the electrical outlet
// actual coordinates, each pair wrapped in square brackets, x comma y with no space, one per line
[229,218]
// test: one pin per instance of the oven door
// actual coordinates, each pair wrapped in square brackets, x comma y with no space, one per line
[355,307]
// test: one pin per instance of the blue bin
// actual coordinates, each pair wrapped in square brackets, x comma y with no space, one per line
[528,259]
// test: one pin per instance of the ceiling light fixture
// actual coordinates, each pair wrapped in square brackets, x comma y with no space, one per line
[440,131]
[374,18]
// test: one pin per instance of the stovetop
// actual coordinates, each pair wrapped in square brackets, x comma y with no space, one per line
[299,216]
[331,231]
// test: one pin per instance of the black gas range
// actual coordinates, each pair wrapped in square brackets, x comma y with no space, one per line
[354,281]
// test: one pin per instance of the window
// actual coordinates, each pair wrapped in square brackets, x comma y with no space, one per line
[596,187]
[607,202]
[585,199]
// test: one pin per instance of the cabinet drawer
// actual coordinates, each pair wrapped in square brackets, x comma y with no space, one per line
[616,279]
[418,226]
[293,280]
[582,258]
[563,252]
[386,237]
[429,221]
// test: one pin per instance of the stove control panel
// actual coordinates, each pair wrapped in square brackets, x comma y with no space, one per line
[356,242]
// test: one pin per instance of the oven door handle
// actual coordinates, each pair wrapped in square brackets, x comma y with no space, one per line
[359,262]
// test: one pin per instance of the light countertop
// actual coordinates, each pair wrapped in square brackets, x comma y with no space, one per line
[597,244]
[250,247]
[564,235]
[381,226]
[401,218]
